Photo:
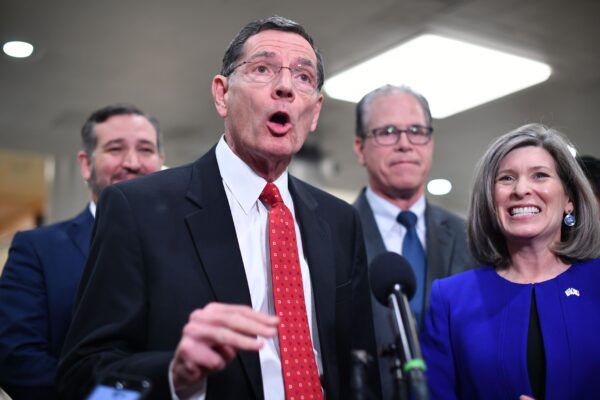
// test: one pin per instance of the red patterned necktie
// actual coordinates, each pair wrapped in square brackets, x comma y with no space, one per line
[300,374]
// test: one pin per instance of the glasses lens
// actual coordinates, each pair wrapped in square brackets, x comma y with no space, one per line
[304,78]
[390,135]
[418,134]
[261,71]
[386,136]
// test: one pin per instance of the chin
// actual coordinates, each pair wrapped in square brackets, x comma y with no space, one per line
[282,150]
[404,186]
[524,235]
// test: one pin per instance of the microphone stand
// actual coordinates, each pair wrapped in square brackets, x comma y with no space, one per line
[359,382]
[400,389]
[411,360]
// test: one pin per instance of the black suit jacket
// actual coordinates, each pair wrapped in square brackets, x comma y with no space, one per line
[165,245]
[447,254]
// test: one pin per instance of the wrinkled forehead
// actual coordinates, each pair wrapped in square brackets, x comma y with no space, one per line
[396,108]
[278,45]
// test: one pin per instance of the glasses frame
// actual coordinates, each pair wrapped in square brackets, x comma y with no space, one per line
[409,131]
[291,69]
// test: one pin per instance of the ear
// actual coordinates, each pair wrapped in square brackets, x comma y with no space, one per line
[359,146]
[85,165]
[569,208]
[317,112]
[220,88]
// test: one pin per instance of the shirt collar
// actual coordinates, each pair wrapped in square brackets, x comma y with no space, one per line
[245,185]
[387,212]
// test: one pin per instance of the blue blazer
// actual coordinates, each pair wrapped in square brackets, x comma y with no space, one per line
[165,244]
[475,337]
[37,289]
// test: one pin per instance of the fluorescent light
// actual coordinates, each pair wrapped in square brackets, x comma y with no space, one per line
[439,187]
[453,75]
[18,49]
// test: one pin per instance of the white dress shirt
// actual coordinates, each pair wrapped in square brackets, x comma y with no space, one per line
[250,216]
[392,232]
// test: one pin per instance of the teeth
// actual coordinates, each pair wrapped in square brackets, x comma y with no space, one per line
[524,211]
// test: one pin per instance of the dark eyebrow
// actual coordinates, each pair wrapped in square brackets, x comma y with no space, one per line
[122,142]
[145,142]
[271,54]
[304,61]
[113,142]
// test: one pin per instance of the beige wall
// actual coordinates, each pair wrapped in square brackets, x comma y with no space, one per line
[23,195]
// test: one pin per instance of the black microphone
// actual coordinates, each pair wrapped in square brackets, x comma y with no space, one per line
[387,270]
[393,283]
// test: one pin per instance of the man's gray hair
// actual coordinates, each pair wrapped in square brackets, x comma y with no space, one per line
[363,105]
[276,23]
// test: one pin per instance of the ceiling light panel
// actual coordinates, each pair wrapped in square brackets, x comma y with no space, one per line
[453,75]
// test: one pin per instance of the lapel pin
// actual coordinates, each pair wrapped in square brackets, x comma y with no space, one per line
[572,291]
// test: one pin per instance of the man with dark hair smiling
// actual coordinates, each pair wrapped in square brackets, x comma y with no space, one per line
[229,278]
[44,266]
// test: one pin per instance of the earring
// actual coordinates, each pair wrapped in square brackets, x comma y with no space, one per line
[569,219]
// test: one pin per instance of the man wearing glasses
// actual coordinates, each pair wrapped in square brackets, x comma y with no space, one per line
[228,278]
[394,141]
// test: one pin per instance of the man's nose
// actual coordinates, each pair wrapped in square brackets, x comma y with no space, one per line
[283,86]
[132,160]
[403,142]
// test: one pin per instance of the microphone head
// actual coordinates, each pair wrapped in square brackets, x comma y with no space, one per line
[387,270]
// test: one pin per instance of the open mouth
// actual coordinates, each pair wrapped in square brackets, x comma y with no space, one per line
[280,118]
[279,123]
[521,211]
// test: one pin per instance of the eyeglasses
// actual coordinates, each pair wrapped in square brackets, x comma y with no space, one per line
[304,77]
[390,135]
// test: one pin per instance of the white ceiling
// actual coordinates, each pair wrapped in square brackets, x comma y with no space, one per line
[162,56]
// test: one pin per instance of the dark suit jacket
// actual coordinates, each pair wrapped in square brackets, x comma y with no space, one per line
[447,254]
[166,245]
[37,289]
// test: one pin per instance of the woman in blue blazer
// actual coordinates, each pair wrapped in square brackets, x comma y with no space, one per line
[527,322]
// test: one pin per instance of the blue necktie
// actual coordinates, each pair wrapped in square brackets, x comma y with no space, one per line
[413,251]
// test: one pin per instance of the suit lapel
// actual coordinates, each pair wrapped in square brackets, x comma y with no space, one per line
[439,246]
[215,240]
[80,231]
[318,250]
[373,240]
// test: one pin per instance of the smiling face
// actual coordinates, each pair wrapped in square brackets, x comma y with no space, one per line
[401,170]
[529,197]
[267,123]
[126,148]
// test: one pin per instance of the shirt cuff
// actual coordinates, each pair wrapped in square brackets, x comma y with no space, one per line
[199,395]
